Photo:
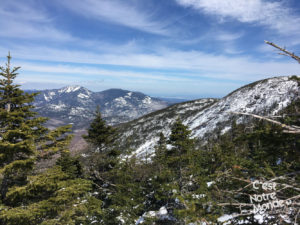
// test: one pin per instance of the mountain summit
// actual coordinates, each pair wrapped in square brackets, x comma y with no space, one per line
[76,105]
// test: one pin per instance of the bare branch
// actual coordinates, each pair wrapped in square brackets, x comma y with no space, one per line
[287,128]
[286,53]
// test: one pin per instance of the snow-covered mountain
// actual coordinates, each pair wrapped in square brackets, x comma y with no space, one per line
[207,117]
[76,105]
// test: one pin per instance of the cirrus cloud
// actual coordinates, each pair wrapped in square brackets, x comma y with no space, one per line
[118,12]
[273,14]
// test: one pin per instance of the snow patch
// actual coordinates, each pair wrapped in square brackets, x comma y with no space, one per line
[147,100]
[49,96]
[162,211]
[210,183]
[120,101]
[58,107]
[83,96]
[69,89]
[140,152]
[129,94]
[225,218]
[77,111]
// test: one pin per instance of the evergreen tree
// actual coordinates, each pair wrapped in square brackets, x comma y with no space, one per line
[264,153]
[172,178]
[99,134]
[102,154]
[104,170]
[23,138]
[125,197]
[18,131]
[59,195]
[23,141]
[180,154]
[159,158]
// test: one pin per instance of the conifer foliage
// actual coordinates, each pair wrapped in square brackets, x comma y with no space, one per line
[99,134]
[60,195]
[20,131]
[102,155]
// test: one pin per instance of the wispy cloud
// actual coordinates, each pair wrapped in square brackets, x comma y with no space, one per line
[23,11]
[93,72]
[25,20]
[125,13]
[35,75]
[273,14]
[192,64]
[227,36]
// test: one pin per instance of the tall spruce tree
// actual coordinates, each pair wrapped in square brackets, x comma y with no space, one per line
[179,155]
[116,181]
[23,141]
[99,133]
[103,156]
[172,160]
[20,131]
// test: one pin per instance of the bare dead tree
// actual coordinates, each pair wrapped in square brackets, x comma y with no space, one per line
[286,128]
[283,51]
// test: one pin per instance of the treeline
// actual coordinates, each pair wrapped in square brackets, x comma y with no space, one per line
[181,183]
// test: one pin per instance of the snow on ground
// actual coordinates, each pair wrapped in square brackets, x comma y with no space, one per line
[120,101]
[77,111]
[225,219]
[273,95]
[142,151]
[81,95]
[69,89]
[58,107]
[129,94]
[147,100]
[203,116]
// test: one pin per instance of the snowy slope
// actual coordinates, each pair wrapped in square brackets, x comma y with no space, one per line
[76,105]
[207,116]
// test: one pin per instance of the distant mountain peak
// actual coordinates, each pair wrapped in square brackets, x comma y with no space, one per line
[76,104]
[71,88]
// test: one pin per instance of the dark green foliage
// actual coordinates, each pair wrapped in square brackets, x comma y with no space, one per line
[178,156]
[159,158]
[58,196]
[19,131]
[262,153]
[23,138]
[70,165]
[296,78]
[53,197]
[103,157]
[172,165]
[125,194]
[99,134]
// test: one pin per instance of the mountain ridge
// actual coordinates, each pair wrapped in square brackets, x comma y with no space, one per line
[207,118]
[76,105]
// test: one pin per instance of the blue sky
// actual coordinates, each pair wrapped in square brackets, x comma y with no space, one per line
[170,48]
